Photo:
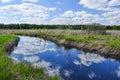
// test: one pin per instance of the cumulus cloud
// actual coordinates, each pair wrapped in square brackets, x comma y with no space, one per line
[80,17]
[93,3]
[68,13]
[104,5]
[83,17]
[113,17]
[111,13]
[26,9]
[29,12]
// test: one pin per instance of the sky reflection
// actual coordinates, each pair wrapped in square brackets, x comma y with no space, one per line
[70,64]
[88,58]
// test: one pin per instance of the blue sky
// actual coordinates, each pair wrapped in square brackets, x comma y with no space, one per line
[60,11]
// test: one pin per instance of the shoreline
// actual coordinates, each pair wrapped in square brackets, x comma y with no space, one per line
[105,51]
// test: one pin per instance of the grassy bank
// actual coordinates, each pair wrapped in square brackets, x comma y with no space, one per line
[19,71]
[95,40]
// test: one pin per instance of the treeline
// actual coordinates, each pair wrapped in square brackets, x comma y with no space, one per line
[35,26]
[75,27]
[113,27]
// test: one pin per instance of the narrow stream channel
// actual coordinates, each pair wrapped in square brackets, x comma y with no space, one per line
[70,64]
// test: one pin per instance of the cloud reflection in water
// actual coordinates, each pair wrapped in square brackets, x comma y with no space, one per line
[70,64]
[88,58]
[32,59]
[32,46]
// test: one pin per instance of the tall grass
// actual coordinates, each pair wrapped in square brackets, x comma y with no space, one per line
[104,40]
[97,40]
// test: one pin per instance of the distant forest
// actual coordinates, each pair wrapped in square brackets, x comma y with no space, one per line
[34,26]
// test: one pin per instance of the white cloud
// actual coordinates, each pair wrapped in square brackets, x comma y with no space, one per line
[30,0]
[37,14]
[88,59]
[43,64]
[30,46]
[104,5]
[32,59]
[52,9]
[26,9]
[112,17]
[83,17]
[47,65]
[28,12]
[5,1]
[70,17]
[111,14]
[68,13]
[93,3]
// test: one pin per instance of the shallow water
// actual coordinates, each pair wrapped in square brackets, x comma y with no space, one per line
[70,64]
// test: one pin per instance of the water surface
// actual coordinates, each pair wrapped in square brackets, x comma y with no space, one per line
[70,64]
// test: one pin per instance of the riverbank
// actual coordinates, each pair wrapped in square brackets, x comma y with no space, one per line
[101,44]
[19,71]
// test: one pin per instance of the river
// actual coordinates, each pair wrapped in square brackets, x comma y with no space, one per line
[68,63]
